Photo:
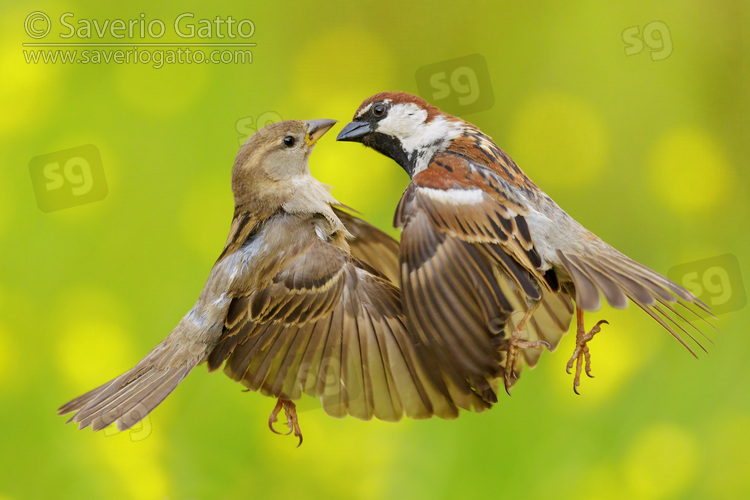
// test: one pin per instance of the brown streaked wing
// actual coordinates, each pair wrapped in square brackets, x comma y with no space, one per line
[371,245]
[453,304]
[468,267]
[243,225]
[339,336]
[549,322]
[465,201]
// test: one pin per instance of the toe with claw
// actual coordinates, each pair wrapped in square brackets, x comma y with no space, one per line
[581,355]
[515,344]
[290,411]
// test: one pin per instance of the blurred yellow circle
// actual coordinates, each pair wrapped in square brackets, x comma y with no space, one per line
[688,170]
[94,346]
[560,140]
[661,463]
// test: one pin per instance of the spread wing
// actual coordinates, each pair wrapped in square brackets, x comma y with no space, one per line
[128,398]
[469,270]
[371,245]
[328,327]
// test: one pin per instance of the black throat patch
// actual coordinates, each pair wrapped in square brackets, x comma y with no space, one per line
[392,148]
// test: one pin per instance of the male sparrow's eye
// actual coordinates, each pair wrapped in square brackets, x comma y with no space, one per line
[289,141]
[378,109]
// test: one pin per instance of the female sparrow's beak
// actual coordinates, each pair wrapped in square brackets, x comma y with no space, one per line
[316,129]
[355,131]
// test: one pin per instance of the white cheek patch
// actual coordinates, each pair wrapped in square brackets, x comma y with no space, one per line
[456,196]
[434,135]
[402,120]
[407,123]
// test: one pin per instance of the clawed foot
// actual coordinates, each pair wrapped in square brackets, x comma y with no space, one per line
[291,418]
[581,356]
[515,344]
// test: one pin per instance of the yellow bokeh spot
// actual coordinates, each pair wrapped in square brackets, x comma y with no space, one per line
[338,452]
[334,87]
[91,349]
[28,91]
[560,140]
[661,463]
[688,170]
[94,345]
[615,356]
[206,215]
[361,179]
[137,464]
[328,84]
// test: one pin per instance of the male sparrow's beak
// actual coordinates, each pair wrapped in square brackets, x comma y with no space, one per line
[355,131]
[316,129]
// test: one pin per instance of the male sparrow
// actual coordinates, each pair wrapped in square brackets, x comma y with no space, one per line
[291,307]
[481,241]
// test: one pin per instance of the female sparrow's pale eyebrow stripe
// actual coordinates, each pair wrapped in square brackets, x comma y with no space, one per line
[491,244]
[297,303]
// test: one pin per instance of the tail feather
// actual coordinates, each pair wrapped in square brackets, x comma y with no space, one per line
[618,277]
[662,285]
[129,398]
[612,291]
[587,294]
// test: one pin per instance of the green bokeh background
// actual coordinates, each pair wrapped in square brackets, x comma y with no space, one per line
[652,155]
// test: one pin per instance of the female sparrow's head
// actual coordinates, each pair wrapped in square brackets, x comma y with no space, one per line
[274,157]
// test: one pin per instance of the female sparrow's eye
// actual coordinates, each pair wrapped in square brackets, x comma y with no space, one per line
[289,141]
[378,109]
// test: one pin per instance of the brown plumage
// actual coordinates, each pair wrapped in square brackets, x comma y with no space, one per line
[290,308]
[482,245]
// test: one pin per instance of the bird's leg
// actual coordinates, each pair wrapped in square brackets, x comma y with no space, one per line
[515,344]
[275,416]
[290,410]
[581,356]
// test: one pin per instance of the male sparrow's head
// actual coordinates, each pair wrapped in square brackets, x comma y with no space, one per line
[272,164]
[403,127]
